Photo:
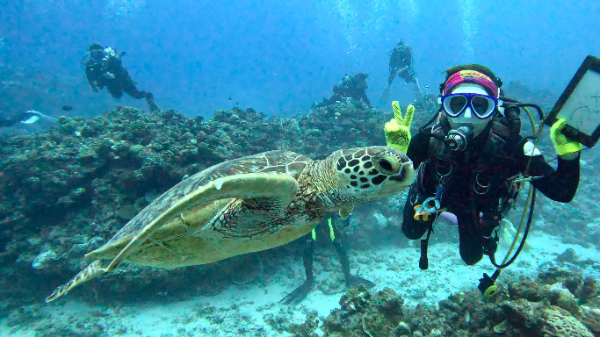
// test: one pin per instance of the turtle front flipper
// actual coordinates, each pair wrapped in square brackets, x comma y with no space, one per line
[272,186]
[92,271]
[247,218]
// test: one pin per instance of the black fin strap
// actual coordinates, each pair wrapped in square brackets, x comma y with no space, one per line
[424,260]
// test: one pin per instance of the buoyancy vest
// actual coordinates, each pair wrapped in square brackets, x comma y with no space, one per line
[484,172]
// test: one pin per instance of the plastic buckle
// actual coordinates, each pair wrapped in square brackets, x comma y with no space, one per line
[420,215]
[431,205]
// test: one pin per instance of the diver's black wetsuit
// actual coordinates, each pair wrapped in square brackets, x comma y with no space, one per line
[477,182]
[347,87]
[108,72]
[309,239]
[401,60]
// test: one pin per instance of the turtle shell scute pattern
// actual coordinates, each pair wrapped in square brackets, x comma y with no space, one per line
[286,162]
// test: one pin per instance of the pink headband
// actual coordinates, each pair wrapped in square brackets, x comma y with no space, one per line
[471,76]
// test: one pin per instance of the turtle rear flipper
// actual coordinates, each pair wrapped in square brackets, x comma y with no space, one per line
[92,271]
[277,189]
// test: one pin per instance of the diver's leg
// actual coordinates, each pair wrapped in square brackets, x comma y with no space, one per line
[404,74]
[417,90]
[470,234]
[131,90]
[7,122]
[385,94]
[351,280]
[152,106]
[307,260]
[299,293]
[393,72]
[115,91]
[414,229]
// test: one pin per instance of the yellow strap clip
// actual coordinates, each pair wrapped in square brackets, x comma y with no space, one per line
[429,207]
[420,215]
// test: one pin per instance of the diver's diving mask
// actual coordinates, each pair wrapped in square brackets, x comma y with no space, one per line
[482,106]
[95,54]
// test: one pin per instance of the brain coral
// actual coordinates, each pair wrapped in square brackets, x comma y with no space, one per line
[559,325]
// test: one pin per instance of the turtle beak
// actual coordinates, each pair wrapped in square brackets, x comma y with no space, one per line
[406,175]
[400,181]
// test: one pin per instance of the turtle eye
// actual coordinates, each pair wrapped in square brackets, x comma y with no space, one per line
[387,164]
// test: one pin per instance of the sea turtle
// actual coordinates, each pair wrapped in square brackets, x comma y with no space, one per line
[247,205]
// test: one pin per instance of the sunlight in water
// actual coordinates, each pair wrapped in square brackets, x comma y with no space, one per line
[118,9]
[413,9]
[359,20]
[470,27]
[348,17]
[362,20]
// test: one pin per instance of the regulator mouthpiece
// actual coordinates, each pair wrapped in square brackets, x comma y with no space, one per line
[458,139]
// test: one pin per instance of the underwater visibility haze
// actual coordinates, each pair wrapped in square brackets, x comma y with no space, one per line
[298,168]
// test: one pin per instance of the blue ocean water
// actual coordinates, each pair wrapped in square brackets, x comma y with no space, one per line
[281,56]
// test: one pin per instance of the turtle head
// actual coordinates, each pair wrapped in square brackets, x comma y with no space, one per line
[373,172]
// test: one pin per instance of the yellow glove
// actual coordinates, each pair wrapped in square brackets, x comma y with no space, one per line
[562,144]
[397,130]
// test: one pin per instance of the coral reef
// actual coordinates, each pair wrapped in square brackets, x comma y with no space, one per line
[523,307]
[67,190]
[364,314]
[24,88]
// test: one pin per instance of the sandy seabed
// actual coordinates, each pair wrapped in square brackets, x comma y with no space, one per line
[252,309]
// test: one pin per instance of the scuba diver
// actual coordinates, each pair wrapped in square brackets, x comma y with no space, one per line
[103,69]
[29,117]
[335,236]
[354,87]
[401,64]
[469,161]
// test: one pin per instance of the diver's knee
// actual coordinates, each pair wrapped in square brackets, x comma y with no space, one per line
[471,255]
[470,260]
[413,231]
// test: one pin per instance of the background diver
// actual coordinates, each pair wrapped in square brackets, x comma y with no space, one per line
[309,240]
[104,69]
[401,64]
[29,117]
[470,157]
[354,87]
